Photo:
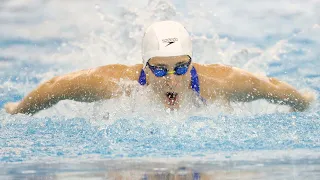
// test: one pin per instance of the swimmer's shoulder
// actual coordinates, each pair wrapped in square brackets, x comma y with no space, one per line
[118,71]
[214,70]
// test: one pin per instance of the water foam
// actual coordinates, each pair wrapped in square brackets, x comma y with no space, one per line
[57,38]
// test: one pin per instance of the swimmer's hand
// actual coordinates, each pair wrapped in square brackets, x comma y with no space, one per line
[308,99]
[11,107]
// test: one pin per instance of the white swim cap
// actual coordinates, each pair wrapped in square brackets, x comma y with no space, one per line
[165,38]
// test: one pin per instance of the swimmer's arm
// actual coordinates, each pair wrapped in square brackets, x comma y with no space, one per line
[86,86]
[249,87]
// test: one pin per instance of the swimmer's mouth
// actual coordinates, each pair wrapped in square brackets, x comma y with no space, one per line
[172,97]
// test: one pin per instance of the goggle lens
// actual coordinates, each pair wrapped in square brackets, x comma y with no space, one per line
[163,71]
[180,70]
[160,72]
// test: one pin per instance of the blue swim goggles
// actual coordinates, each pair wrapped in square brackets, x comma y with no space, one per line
[161,71]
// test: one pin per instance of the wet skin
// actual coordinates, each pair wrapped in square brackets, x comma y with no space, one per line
[216,82]
[170,89]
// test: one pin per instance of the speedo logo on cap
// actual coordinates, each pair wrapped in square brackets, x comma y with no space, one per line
[169,41]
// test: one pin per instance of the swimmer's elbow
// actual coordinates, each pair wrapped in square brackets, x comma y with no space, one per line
[83,87]
[58,88]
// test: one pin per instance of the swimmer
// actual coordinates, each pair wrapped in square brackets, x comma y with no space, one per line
[169,70]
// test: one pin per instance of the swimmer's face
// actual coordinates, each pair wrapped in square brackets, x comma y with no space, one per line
[171,87]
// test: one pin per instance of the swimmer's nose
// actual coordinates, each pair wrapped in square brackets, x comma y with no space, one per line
[172,80]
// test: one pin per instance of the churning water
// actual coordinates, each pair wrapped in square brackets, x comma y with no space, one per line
[136,139]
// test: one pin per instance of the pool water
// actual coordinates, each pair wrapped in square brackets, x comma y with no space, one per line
[133,138]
